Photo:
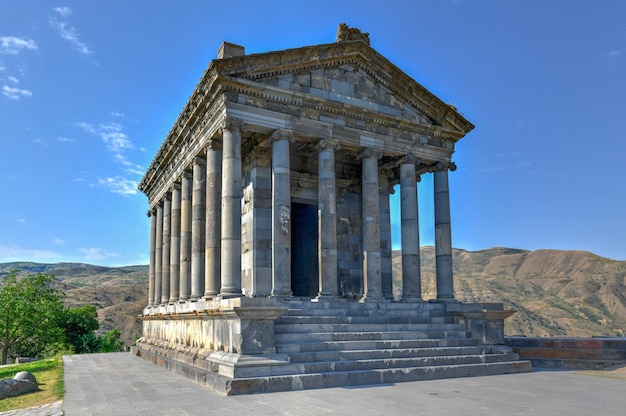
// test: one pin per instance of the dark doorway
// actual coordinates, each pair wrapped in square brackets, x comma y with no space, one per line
[304,267]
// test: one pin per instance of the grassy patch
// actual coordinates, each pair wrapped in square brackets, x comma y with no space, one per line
[49,374]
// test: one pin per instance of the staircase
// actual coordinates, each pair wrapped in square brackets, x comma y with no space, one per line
[349,344]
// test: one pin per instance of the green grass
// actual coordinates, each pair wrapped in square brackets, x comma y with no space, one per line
[49,375]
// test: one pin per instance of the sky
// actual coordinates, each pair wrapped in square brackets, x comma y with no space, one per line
[90,89]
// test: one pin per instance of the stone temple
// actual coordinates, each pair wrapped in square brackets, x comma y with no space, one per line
[270,248]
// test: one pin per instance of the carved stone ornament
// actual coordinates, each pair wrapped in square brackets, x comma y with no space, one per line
[328,144]
[351,34]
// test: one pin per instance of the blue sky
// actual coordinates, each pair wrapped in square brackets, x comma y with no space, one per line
[89,91]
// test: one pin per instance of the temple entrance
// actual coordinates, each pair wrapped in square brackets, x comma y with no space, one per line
[304,266]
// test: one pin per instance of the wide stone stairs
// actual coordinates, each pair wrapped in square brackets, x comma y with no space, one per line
[332,345]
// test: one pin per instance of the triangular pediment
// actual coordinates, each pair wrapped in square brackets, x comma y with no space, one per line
[351,75]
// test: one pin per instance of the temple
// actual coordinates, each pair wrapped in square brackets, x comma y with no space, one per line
[270,248]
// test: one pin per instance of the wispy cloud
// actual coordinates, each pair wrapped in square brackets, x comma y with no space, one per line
[119,185]
[58,242]
[95,253]
[65,139]
[116,114]
[14,80]
[15,93]
[58,24]
[616,53]
[22,220]
[12,45]
[16,253]
[112,136]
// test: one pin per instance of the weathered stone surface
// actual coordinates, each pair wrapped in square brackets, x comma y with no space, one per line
[23,382]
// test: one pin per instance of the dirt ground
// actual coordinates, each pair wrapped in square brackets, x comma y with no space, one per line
[618,371]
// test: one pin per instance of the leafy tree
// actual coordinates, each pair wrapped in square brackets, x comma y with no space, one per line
[78,324]
[30,313]
[89,343]
[111,342]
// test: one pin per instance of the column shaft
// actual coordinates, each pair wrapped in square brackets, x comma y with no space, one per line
[165,259]
[411,274]
[231,211]
[213,217]
[185,237]
[198,228]
[327,222]
[158,255]
[281,215]
[175,246]
[153,227]
[370,205]
[443,236]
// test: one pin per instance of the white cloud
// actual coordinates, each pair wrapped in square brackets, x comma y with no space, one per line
[63,11]
[116,114]
[2,68]
[68,33]
[14,80]
[94,253]
[15,253]
[13,45]
[119,185]
[21,220]
[15,93]
[112,135]
[58,242]
[66,139]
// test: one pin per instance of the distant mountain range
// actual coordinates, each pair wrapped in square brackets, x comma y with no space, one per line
[555,292]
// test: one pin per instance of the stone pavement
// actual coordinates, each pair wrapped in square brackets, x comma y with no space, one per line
[122,384]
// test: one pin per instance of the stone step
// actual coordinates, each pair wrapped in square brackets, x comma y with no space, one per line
[384,354]
[301,337]
[323,319]
[363,345]
[366,377]
[360,365]
[364,327]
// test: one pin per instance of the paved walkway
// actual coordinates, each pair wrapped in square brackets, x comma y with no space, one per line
[122,384]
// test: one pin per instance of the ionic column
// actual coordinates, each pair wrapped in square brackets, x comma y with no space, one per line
[185,236]
[327,221]
[165,259]
[231,210]
[281,214]
[370,205]
[153,227]
[197,228]
[386,251]
[443,234]
[175,245]
[411,274]
[158,255]
[212,266]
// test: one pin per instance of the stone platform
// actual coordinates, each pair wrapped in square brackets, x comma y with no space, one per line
[243,345]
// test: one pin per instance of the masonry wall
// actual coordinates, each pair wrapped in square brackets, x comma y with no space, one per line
[569,353]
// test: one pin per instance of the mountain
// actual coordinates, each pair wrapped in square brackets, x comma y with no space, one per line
[555,292]
[119,293]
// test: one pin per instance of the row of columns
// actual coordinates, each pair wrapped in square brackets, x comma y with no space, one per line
[195,249]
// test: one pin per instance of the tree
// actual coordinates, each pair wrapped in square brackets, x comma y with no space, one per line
[30,314]
[79,325]
[110,341]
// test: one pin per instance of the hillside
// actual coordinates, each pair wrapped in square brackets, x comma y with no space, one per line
[119,293]
[556,293]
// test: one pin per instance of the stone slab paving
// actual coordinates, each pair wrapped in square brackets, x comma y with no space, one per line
[122,384]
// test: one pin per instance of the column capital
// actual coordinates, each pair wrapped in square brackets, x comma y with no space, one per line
[328,144]
[151,212]
[199,161]
[175,186]
[443,166]
[229,123]
[187,174]
[214,144]
[410,159]
[370,153]
[282,135]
